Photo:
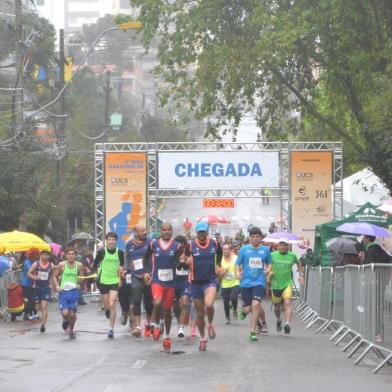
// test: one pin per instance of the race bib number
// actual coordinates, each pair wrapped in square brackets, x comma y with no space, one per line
[165,275]
[229,275]
[182,272]
[255,262]
[69,285]
[43,275]
[138,264]
[128,278]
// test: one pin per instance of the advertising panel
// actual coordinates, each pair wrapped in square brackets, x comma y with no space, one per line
[218,170]
[125,192]
[311,199]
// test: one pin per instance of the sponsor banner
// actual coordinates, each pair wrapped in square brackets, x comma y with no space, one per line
[311,199]
[218,170]
[125,193]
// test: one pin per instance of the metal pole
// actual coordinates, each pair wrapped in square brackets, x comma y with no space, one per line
[17,98]
[107,103]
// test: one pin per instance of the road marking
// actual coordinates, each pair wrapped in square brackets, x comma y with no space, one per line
[138,364]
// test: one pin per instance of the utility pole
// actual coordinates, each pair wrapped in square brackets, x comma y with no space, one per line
[107,103]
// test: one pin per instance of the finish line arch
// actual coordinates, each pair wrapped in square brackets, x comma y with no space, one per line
[130,178]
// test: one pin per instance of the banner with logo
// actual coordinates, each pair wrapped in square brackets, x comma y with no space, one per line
[125,193]
[212,170]
[311,199]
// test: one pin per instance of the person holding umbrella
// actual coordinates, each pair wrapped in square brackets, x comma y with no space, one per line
[374,253]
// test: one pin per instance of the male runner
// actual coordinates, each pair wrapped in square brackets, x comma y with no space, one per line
[165,257]
[250,271]
[65,278]
[205,257]
[136,274]
[110,261]
[41,274]
[281,283]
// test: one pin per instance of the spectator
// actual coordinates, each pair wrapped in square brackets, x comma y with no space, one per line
[309,259]
[15,300]
[374,253]
[272,228]
[4,262]
[32,256]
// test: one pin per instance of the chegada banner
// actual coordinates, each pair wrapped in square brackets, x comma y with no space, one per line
[125,193]
[311,199]
[211,170]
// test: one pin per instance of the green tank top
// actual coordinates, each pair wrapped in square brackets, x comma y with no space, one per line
[69,279]
[109,268]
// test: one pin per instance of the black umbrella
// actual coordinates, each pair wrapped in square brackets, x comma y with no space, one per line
[342,245]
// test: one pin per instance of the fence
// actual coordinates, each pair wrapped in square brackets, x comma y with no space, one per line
[5,280]
[356,301]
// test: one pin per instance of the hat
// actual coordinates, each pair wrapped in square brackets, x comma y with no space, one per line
[201,226]
[283,240]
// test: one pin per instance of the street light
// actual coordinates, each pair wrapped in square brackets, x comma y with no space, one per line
[121,26]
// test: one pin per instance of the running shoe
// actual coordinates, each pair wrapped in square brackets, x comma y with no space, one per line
[137,332]
[287,328]
[167,344]
[107,314]
[279,325]
[42,329]
[181,333]
[211,332]
[227,320]
[147,330]
[72,336]
[110,334]
[156,334]
[124,318]
[235,315]
[242,315]
[203,344]
[253,337]
[193,333]
[264,327]
[65,323]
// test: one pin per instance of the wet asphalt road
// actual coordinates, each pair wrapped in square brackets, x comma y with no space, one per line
[35,362]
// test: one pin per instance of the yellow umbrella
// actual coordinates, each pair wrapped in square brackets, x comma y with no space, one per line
[19,241]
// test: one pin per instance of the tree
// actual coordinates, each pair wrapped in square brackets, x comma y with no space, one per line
[326,63]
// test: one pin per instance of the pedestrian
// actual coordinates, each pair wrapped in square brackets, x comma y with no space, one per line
[309,259]
[32,256]
[250,271]
[374,253]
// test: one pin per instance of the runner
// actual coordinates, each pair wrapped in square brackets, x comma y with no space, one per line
[250,271]
[282,283]
[205,257]
[165,257]
[65,279]
[136,275]
[182,289]
[230,284]
[41,274]
[110,261]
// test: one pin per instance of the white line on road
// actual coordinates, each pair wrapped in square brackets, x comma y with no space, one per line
[138,364]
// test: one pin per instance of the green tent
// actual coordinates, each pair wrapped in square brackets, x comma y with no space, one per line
[324,232]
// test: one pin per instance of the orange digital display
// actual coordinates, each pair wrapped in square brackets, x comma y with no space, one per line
[218,203]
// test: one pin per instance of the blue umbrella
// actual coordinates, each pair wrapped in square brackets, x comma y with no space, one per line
[4,265]
[363,228]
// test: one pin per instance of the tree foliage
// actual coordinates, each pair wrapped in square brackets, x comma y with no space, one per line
[310,68]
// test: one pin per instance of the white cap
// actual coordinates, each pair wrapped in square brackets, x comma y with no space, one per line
[284,239]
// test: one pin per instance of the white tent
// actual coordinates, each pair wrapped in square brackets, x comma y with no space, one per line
[364,186]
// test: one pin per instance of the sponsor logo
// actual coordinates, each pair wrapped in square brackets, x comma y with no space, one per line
[304,176]
[119,180]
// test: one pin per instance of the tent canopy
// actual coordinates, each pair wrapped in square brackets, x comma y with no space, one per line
[324,232]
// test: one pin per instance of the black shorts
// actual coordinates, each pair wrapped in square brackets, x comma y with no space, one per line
[105,288]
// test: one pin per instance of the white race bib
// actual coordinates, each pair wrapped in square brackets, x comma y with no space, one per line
[69,286]
[165,275]
[128,278]
[182,272]
[138,264]
[229,275]
[43,275]
[255,262]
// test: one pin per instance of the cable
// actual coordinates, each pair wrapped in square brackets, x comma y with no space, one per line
[84,135]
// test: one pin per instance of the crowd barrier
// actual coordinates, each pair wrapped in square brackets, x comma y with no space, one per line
[355,302]
[5,280]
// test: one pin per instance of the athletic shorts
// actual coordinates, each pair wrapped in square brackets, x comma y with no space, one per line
[41,294]
[182,289]
[166,294]
[197,289]
[249,294]
[68,299]
[105,288]
[279,295]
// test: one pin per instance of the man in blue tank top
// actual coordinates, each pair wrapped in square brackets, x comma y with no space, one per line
[205,255]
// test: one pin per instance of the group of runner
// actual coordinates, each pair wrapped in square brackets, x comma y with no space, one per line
[158,271]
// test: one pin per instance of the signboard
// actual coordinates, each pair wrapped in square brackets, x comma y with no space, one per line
[311,199]
[218,203]
[218,170]
[125,193]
